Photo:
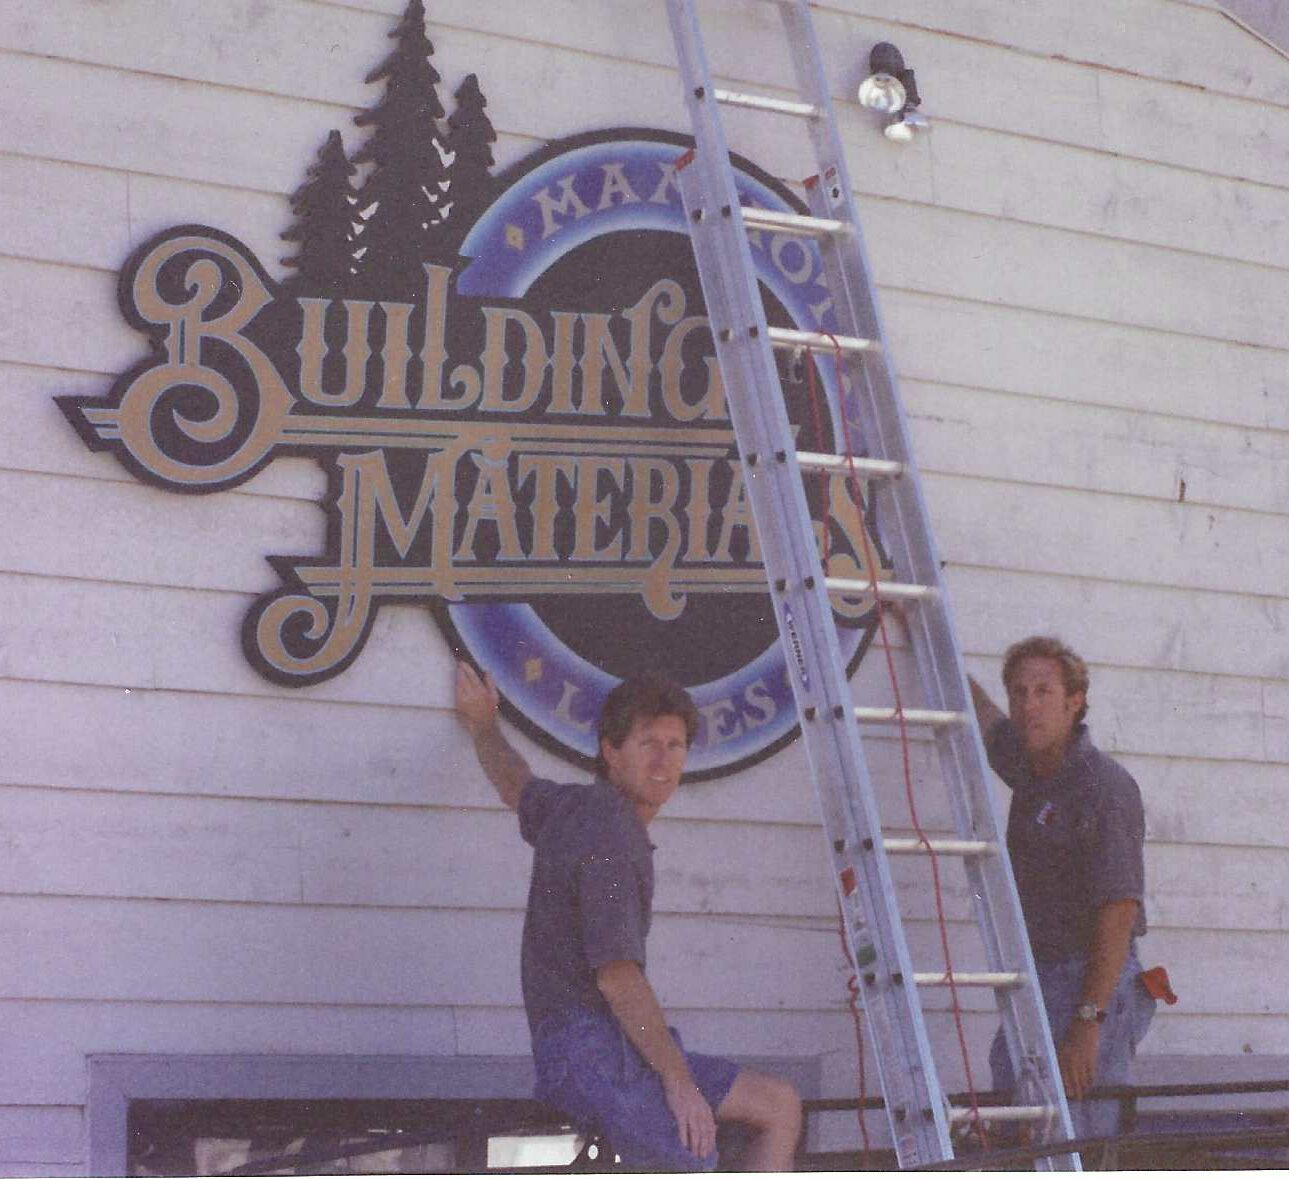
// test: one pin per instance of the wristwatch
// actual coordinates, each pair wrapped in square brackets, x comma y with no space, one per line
[1089,1013]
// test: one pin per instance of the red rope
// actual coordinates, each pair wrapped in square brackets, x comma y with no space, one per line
[852,983]
[819,443]
[857,491]
[852,1001]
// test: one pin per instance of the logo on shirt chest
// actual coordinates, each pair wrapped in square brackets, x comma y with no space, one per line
[510,383]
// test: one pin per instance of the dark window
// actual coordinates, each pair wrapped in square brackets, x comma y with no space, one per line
[333,1137]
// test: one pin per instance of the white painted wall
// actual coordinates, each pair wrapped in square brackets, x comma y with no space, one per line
[1084,270]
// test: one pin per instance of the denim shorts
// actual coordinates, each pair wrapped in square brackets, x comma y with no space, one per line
[588,1069]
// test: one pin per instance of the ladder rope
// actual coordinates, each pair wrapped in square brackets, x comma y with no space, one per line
[870,558]
[857,1020]
[852,983]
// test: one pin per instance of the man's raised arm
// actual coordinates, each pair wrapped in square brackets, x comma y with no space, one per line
[988,713]
[476,708]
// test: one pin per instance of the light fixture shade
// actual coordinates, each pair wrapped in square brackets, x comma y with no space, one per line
[882,92]
[907,127]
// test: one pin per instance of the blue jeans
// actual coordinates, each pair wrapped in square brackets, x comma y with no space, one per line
[587,1068]
[1128,1015]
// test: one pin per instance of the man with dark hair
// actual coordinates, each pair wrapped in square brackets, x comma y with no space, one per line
[603,1051]
[1075,835]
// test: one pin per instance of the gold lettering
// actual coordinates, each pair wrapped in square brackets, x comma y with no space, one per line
[666,183]
[495,360]
[564,709]
[671,368]
[845,516]
[598,350]
[591,510]
[493,502]
[434,352]
[184,367]
[545,502]
[644,508]
[820,309]
[780,242]
[394,356]
[698,509]
[366,497]
[666,299]
[312,350]
[716,715]
[761,708]
[374,495]
[615,184]
[562,362]
[567,203]
[737,513]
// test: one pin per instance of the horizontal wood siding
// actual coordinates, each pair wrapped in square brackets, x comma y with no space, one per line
[1084,270]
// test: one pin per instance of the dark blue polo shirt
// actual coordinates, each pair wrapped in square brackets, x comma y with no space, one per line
[1075,840]
[591,896]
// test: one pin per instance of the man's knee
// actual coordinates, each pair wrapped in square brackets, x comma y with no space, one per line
[762,1100]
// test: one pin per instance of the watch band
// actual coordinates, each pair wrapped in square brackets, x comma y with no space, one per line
[1089,1013]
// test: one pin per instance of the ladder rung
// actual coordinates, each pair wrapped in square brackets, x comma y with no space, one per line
[798,223]
[912,716]
[1003,1113]
[971,978]
[794,338]
[889,590]
[921,1111]
[762,102]
[941,847]
[844,464]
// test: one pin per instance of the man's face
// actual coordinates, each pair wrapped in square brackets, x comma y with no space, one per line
[1041,708]
[647,766]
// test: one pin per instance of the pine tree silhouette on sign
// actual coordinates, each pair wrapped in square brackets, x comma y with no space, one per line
[401,202]
[324,224]
[469,134]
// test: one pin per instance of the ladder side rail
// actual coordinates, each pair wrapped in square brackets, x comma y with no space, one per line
[752,383]
[994,896]
[835,761]
[936,650]
[931,626]
[882,419]
[853,281]
[903,512]
[964,771]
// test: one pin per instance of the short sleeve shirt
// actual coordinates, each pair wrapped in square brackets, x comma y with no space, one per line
[1076,840]
[590,900]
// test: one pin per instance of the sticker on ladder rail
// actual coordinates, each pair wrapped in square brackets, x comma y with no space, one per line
[794,642]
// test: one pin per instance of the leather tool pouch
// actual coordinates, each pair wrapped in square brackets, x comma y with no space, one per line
[1155,980]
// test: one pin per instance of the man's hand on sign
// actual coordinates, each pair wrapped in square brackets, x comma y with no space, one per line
[476,699]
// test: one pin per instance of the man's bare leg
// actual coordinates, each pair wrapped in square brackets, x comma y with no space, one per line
[771,1108]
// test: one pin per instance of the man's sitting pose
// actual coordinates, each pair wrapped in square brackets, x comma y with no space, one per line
[603,1051]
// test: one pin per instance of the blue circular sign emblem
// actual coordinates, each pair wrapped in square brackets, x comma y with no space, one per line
[664,571]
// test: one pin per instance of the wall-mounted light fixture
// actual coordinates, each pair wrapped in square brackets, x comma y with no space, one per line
[891,89]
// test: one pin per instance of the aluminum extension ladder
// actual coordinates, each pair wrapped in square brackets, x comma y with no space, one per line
[920,1117]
